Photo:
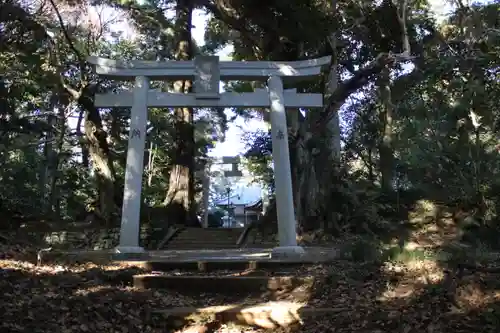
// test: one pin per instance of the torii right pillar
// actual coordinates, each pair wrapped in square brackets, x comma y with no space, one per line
[287,225]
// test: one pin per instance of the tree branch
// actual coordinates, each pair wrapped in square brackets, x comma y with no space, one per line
[363,76]
[81,60]
[221,14]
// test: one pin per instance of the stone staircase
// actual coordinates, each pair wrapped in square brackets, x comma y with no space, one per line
[204,239]
[250,291]
[247,298]
[256,240]
[249,288]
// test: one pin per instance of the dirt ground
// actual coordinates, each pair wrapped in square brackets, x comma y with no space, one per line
[421,295]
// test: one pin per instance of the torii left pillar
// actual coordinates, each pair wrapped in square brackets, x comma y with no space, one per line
[131,209]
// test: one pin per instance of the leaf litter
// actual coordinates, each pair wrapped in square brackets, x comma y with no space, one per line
[426,296]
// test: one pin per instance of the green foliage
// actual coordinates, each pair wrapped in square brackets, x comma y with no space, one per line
[445,123]
[259,157]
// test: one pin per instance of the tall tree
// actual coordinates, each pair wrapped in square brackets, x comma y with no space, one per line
[181,190]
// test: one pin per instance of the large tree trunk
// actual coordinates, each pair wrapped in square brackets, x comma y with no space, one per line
[102,162]
[315,174]
[317,157]
[181,191]
[99,152]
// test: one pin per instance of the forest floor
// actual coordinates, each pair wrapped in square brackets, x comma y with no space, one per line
[409,293]
[418,296]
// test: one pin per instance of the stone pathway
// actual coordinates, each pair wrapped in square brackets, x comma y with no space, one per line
[312,254]
[245,255]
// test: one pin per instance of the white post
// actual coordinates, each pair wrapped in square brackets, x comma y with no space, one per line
[282,173]
[130,224]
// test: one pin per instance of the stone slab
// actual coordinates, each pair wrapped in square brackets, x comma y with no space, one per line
[191,258]
[210,266]
[207,76]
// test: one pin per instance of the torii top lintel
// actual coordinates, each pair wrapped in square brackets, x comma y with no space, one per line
[224,70]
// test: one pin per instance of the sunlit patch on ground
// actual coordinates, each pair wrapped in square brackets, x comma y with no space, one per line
[473,296]
[424,212]
[415,266]
[433,225]
[410,278]
[89,290]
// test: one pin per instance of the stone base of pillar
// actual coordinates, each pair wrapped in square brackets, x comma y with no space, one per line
[287,252]
[130,253]
[129,249]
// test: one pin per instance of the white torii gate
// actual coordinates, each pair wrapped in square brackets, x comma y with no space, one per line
[207,71]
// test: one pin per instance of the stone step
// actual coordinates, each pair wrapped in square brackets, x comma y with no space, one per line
[206,238]
[225,258]
[197,244]
[214,230]
[223,284]
[209,233]
[206,241]
[200,246]
[236,266]
[269,315]
[199,238]
[260,244]
[203,241]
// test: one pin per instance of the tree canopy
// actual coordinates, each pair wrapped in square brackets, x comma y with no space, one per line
[411,106]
